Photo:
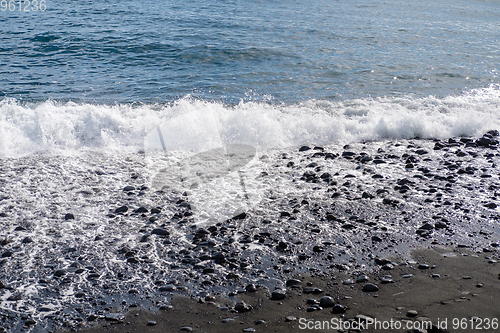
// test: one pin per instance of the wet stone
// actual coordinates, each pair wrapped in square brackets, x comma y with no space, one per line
[326,302]
[293,282]
[278,294]
[370,287]
[362,278]
[251,288]
[243,307]
[186,329]
[114,317]
[338,308]
[249,329]
[151,323]
[411,313]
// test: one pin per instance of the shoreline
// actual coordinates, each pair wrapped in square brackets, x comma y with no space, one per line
[459,287]
[102,242]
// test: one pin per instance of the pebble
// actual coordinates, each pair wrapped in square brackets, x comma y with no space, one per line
[251,288]
[411,313]
[260,321]
[290,318]
[114,317]
[186,329]
[326,302]
[227,320]
[338,308]
[348,282]
[243,307]
[249,329]
[362,278]
[278,295]
[151,323]
[369,287]
[293,282]
[69,216]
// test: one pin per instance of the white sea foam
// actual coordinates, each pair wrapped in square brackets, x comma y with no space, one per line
[68,128]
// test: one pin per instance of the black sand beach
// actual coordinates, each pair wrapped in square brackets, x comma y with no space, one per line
[114,255]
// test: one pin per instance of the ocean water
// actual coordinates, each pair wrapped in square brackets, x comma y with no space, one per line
[101,75]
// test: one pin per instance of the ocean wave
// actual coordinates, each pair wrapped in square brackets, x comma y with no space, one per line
[53,127]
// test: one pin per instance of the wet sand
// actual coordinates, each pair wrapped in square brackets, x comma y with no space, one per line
[458,292]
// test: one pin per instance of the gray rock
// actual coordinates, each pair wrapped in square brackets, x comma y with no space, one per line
[370,287]
[362,278]
[243,307]
[411,313]
[278,295]
[326,302]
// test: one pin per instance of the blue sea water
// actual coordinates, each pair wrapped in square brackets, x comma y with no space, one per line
[83,60]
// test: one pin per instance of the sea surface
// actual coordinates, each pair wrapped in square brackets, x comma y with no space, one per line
[102,74]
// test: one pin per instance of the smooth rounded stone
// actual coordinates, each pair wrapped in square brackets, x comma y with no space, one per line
[186,329]
[312,301]
[423,266]
[293,282]
[290,318]
[141,210]
[249,329]
[251,288]
[69,216]
[348,282]
[278,295]
[60,272]
[27,240]
[467,277]
[406,276]
[227,320]
[151,323]
[304,148]
[114,317]
[435,275]
[311,290]
[311,309]
[370,287]
[362,278]
[92,317]
[160,232]
[411,313]
[122,209]
[479,285]
[260,321]
[492,261]
[243,307]
[326,302]
[128,188]
[339,308]
[388,267]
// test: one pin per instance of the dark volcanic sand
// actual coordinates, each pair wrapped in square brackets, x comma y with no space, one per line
[84,238]
[466,293]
